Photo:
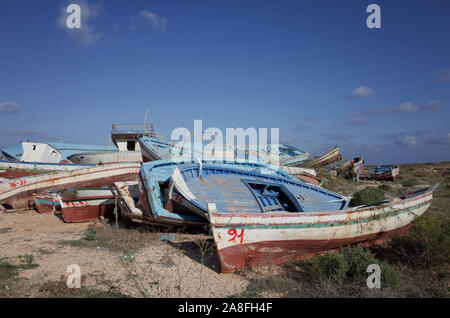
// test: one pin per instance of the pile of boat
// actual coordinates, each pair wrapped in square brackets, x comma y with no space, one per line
[259,214]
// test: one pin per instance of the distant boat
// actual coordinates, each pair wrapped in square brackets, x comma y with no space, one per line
[78,205]
[332,156]
[205,188]
[257,239]
[385,172]
[153,202]
[18,193]
[353,168]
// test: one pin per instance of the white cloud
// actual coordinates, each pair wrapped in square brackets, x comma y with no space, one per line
[87,34]
[157,22]
[407,108]
[362,91]
[443,75]
[9,107]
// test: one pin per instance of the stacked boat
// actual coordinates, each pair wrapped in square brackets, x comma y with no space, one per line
[259,213]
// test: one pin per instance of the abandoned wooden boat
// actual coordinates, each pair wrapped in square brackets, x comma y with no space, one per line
[18,193]
[152,202]
[278,154]
[385,172]
[77,205]
[105,157]
[332,156]
[17,169]
[53,152]
[84,205]
[158,149]
[205,188]
[309,178]
[353,168]
[257,239]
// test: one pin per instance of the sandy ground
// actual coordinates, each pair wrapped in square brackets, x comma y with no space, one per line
[155,270]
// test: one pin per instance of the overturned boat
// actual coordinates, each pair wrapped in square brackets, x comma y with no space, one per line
[258,239]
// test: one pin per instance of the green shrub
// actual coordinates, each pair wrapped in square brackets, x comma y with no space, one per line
[427,244]
[368,195]
[349,265]
[384,187]
[329,266]
[408,183]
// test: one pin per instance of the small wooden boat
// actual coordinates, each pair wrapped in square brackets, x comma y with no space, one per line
[18,193]
[17,169]
[309,178]
[153,203]
[332,156]
[279,155]
[202,188]
[77,205]
[257,239]
[353,168]
[105,157]
[158,149]
[385,172]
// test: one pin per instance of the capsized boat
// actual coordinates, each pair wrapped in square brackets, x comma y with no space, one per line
[18,193]
[258,239]
[205,188]
[385,172]
[332,156]
[155,203]
[353,168]
[105,157]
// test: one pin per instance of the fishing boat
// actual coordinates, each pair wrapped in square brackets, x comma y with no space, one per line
[203,188]
[105,157]
[278,154]
[309,178]
[154,202]
[353,168]
[17,169]
[332,156]
[159,149]
[257,239]
[77,205]
[18,193]
[385,172]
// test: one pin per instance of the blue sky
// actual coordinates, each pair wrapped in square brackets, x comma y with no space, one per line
[311,68]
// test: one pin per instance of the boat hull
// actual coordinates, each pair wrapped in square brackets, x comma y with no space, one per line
[334,155]
[18,193]
[389,175]
[19,169]
[250,240]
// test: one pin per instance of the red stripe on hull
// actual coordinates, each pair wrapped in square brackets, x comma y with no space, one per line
[19,174]
[275,252]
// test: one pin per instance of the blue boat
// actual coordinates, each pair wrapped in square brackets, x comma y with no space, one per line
[387,172]
[159,149]
[207,188]
[160,205]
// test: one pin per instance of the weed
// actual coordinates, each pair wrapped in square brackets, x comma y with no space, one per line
[409,183]
[368,195]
